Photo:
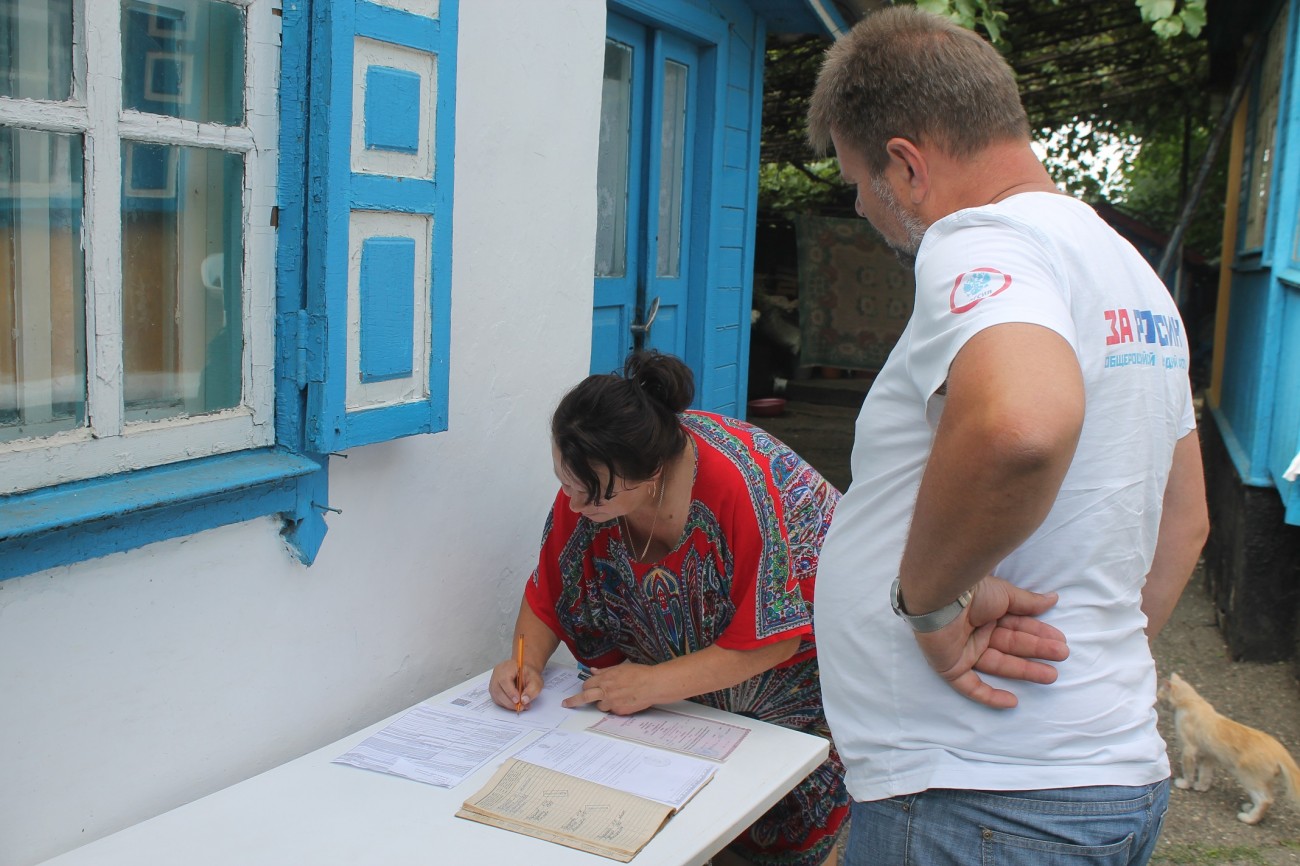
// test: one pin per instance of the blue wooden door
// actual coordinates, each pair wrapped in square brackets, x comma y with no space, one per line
[645,179]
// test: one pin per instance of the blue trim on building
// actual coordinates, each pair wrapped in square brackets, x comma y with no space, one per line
[74,522]
[65,524]
[335,192]
[1259,410]
[392,111]
[387,318]
[404,28]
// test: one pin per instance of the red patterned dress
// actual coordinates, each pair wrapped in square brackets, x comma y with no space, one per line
[741,577]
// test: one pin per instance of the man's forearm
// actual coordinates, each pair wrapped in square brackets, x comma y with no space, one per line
[1184,526]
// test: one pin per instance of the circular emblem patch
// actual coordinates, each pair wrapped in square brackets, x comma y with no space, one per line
[974,286]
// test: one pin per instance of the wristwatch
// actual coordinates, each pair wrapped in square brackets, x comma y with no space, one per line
[935,619]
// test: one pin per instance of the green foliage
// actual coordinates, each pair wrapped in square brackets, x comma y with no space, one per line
[1153,185]
[970,14]
[1169,18]
[1142,173]
[1087,159]
[1119,147]
[788,189]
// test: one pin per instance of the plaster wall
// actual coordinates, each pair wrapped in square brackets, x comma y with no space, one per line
[137,682]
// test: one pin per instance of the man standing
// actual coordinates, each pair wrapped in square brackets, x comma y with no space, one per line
[1035,422]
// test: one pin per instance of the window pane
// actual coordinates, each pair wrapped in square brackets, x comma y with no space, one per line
[1265,135]
[612,164]
[42,317]
[36,49]
[182,249]
[672,171]
[184,58]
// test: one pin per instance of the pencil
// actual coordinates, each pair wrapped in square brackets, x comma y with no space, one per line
[519,677]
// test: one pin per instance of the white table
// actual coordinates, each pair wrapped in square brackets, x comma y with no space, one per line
[312,811]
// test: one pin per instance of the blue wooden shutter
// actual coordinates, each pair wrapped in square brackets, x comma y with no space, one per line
[378,250]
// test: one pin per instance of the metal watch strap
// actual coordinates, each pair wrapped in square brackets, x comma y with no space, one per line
[935,619]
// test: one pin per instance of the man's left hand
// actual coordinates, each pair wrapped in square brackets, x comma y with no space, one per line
[996,634]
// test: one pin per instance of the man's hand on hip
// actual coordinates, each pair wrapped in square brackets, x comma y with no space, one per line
[996,634]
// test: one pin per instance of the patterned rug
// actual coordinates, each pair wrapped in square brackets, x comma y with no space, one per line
[855,297]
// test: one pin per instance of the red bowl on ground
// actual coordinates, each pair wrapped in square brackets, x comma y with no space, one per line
[767,407]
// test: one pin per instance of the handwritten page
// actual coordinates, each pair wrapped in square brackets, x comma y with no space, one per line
[433,746]
[650,773]
[544,712]
[550,805]
[680,732]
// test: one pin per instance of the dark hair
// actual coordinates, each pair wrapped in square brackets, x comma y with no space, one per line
[905,73]
[626,424]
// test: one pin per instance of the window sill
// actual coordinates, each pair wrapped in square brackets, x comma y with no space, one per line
[73,522]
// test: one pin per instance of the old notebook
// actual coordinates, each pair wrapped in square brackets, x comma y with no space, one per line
[564,809]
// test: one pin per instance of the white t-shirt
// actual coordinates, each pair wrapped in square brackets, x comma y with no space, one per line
[1050,260]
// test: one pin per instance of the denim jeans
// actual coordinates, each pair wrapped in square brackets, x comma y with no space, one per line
[1099,826]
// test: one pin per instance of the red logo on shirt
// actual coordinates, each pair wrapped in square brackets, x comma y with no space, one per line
[974,286]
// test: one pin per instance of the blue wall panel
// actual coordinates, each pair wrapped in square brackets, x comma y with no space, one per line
[392,111]
[387,308]
[1285,435]
[1240,405]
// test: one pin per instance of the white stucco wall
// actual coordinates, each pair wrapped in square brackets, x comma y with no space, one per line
[137,682]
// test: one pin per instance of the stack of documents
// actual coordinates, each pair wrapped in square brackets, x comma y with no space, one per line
[444,744]
[607,795]
[588,792]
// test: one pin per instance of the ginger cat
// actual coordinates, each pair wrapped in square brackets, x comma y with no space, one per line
[1209,739]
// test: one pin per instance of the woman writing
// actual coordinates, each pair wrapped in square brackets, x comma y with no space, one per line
[679,562]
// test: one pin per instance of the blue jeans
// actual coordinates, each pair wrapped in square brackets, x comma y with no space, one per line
[1099,826]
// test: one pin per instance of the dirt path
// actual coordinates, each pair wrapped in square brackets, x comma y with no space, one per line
[1203,828]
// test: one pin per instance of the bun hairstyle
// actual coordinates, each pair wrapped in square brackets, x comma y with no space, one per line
[624,424]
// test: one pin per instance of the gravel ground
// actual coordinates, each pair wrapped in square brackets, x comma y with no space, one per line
[1201,828]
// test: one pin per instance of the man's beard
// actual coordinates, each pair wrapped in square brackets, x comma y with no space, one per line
[908,222]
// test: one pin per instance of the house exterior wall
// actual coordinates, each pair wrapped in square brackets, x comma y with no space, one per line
[139,681]
[1251,428]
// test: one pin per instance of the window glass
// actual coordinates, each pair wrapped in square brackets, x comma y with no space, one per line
[36,49]
[612,168]
[130,311]
[672,171]
[181,299]
[42,300]
[184,59]
[1263,154]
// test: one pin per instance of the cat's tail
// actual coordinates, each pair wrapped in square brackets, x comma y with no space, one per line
[1292,772]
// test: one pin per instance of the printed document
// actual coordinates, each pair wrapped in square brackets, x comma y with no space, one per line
[680,732]
[433,746]
[544,712]
[654,774]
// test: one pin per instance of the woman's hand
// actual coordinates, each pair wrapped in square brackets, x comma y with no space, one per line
[621,690]
[506,692]
[626,688]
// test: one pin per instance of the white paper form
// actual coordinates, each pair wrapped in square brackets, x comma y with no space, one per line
[665,777]
[433,746]
[679,732]
[544,712]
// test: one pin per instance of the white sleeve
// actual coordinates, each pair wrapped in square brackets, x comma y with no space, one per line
[975,271]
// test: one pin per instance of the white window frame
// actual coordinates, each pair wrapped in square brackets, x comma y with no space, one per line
[109,444]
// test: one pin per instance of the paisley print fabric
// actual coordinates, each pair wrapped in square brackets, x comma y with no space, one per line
[742,576]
